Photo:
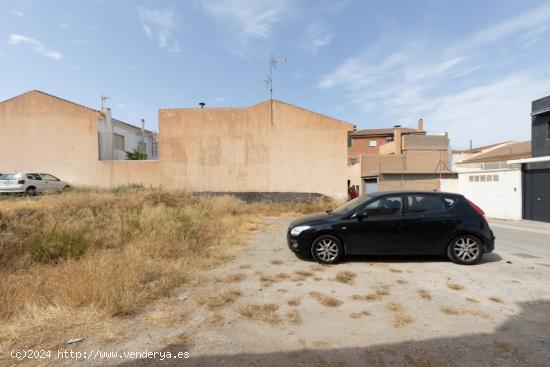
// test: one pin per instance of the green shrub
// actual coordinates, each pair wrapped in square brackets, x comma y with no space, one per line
[58,244]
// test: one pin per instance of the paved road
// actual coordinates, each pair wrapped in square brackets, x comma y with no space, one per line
[525,240]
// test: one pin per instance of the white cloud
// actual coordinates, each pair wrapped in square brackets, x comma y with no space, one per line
[252,19]
[35,45]
[160,24]
[420,80]
[315,37]
[498,31]
[17,13]
[491,112]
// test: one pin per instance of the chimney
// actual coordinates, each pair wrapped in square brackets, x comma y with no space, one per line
[421,124]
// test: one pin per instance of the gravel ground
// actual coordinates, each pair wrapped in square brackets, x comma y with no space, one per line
[268,308]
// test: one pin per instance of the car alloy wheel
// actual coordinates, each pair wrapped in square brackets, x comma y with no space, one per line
[326,249]
[465,250]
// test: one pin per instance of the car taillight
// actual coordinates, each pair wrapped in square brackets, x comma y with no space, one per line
[21,182]
[476,208]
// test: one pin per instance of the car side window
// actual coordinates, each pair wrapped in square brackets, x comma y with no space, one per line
[421,203]
[48,177]
[449,201]
[34,176]
[388,205]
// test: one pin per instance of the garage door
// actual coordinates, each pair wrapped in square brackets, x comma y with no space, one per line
[536,199]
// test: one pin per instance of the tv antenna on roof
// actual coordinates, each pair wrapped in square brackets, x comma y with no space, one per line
[103,99]
[273,61]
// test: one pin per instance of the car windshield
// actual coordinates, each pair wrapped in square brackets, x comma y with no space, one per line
[350,205]
[8,176]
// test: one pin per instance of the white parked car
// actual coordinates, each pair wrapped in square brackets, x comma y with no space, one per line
[31,183]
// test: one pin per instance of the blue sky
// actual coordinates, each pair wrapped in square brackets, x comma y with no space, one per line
[467,67]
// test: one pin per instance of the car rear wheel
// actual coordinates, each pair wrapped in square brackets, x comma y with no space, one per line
[31,191]
[465,250]
[327,249]
[66,188]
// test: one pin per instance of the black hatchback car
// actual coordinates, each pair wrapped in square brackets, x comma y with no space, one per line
[395,223]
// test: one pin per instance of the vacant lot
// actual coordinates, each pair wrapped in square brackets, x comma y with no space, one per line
[264,306]
[74,261]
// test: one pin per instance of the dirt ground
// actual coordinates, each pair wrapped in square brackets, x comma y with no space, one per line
[268,308]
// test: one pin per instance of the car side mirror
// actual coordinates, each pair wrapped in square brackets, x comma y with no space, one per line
[361,214]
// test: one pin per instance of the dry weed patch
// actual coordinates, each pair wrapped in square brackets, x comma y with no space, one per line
[106,254]
[325,299]
[293,316]
[294,301]
[345,277]
[420,359]
[358,315]
[495,300]
[263,312]
[216,301]
[455,286]
[424,294]
[277,262]
[400,319]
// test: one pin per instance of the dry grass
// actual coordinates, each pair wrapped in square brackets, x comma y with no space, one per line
[234,278]
[301,275]
[358,315]
[276,262]
[395,270]
[472,300]
[345,277]
[319,267]
[269,280]
[266,313]
[420,359]
[455,286]
[400,319]
[380,292]
[507,347]
[495,300]
[402,281]
[216,301]
[451,311]
[293,316]
[103,254]
[424,294]
[325,299]
[293,301]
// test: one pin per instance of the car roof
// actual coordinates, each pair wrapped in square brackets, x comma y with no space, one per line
[380,193]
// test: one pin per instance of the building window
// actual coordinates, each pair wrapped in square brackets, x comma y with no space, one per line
[476,178]
[482,178]
[495,178]
[489,178]
[350,142]
[372,143]
[119,142]
[471,178]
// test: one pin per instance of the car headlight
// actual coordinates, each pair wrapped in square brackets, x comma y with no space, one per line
[297,230]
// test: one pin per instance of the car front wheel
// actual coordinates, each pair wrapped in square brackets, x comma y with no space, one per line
[465,250]
[327,249]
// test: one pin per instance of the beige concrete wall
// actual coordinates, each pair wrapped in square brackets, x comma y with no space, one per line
[238,149]
[425,142]
[409,182]
[41,133]
[235,149]
[44,134]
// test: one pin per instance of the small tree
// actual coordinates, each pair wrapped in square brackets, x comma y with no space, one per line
[135,155]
